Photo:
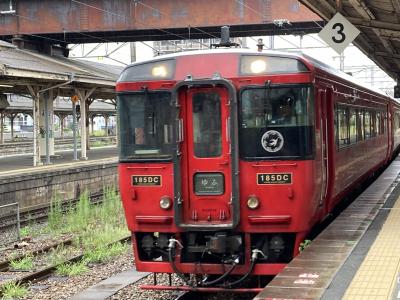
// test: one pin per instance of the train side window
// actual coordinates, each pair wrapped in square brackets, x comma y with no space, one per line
[360,125]
[367,124]
[397,121]
[353,125]
[343,126]
[378,123]
[384,121]
[373,123]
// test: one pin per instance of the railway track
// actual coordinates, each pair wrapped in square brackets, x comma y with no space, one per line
[40,214]
[36,276]
[193,295]
[5,265]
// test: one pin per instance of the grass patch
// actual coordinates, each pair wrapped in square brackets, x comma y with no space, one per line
[98,238]
[58,255]
[23,264]
[12,290]
[104,253]
[72,269]
[99,133]
[304,245]
[55,213]
[117,249]
[85,217]
[95,144]
[94,227]
[26,231]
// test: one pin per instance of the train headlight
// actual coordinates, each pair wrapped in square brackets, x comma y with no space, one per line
[258,66]
[253,202]
[159,71]
[165,202]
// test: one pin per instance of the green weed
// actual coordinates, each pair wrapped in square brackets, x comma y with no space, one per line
[304,245]
[99,133]
[58,255]
[26,231]
[104,253]
[117,249]
[12,290]
[94,225]
[55,214]
[23,264]
[72,269]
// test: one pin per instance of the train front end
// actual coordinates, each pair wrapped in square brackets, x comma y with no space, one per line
[218,182]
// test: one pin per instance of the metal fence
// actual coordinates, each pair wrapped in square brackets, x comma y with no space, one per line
[9,223]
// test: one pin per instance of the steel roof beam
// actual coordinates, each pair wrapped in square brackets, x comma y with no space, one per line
[320,8]
[374,24]
[362,9]
[396,6]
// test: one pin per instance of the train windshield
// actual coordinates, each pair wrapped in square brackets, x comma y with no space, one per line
[277,122]
[145,126]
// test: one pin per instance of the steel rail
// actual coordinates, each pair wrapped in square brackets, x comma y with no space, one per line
[4,265]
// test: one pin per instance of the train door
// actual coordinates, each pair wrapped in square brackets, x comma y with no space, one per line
[323,155]
[388,131]
[328,145]
[207,197]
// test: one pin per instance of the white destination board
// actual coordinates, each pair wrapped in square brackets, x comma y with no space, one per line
[338,33]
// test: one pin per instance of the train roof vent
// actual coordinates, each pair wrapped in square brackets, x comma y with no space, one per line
[225,39]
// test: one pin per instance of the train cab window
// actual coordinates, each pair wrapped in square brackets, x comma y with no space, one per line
[367,124]
[276,122]
[145,126]
[207,125]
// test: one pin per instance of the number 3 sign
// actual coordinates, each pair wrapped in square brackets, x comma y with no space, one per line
[338,33]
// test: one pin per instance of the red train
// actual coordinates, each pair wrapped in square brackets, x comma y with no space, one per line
[229,157]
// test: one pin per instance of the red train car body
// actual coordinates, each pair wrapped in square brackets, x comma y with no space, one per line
[229,157]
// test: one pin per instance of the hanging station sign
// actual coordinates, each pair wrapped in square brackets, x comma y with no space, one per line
[338,33]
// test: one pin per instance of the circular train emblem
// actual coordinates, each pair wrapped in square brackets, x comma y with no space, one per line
[272,141]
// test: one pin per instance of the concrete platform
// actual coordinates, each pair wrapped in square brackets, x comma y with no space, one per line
[110,286]
[356,257]
[23,163]
[64,179]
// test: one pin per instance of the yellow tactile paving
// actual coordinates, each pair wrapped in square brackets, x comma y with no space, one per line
[378,274]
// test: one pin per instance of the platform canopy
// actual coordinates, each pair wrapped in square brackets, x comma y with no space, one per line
[379,23]
[21,68]
[45,78]
[20,104]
